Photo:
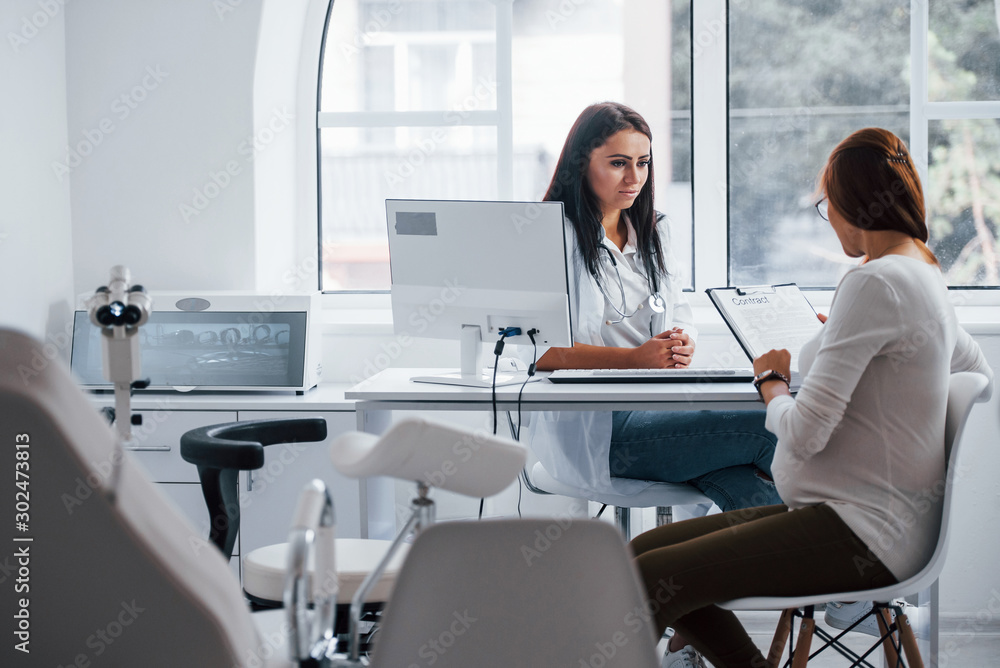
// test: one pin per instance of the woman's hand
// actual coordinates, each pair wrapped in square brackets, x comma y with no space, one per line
[670,349]
[683,349]
[777,360]
[822,318]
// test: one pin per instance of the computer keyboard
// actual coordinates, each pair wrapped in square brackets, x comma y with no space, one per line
[706,375]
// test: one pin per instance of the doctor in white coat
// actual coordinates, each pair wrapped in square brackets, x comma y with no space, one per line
[629,311]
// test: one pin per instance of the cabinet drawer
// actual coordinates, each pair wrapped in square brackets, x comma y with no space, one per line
[269,503]
[157,442]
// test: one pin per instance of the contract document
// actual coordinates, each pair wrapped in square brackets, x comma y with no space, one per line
[768,317]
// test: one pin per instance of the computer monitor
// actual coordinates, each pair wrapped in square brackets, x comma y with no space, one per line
[467,270]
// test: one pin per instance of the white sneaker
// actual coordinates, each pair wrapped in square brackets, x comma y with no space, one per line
[841,615]
[687,657]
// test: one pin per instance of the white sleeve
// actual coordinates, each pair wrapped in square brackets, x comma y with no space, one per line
[864,318]
[969,357]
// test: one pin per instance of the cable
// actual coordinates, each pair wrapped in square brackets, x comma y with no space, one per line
[497,350]
[531,372]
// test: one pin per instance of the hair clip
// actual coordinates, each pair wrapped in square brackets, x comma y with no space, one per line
[899,157]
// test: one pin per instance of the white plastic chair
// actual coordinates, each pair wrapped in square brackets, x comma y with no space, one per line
[662,495]
[527,593]
[964,390]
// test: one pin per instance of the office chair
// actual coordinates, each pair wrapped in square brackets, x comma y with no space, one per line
[897,640]
[661,495]
[527,593]
[113,572]
[220,452]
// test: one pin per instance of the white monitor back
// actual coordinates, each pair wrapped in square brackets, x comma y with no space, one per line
[487,264]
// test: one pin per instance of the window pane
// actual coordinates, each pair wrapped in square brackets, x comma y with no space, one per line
[964,50]
[963,199]
[360,173]
[570,55]
[803,75]
[390,57]
[412,55]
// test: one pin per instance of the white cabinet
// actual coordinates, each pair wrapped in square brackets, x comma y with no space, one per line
[268,501]
[157,448]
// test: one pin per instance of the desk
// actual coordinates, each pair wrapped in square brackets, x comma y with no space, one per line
[392,389]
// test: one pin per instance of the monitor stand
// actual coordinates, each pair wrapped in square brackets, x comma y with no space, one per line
[473,373]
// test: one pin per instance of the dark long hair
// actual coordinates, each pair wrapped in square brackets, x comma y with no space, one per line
[569,185]
[870,179]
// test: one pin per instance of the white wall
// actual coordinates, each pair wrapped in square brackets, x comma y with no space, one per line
[35,235]
[164,92]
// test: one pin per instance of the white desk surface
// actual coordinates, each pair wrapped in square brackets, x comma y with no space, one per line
[392,388]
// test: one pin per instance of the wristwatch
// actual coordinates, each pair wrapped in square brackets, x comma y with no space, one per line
[769,374]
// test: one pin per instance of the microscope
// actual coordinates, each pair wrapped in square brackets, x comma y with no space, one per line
[119,309]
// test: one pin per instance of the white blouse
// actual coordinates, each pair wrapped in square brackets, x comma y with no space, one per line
[865,433]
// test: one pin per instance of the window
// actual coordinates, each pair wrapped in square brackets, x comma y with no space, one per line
[472,99]
[803,75]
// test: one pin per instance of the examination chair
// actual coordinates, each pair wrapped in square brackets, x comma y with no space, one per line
[100,569]
[898,641]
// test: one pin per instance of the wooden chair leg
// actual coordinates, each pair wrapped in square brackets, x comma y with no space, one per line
[891,655]
[909,642]
[804,642]
[780,640]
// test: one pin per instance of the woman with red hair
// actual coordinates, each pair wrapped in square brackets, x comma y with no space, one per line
[860,443]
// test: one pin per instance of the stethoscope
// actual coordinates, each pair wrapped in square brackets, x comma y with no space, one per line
[654,302]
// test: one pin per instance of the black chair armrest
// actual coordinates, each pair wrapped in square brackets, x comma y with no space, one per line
[221,451]
[240,445]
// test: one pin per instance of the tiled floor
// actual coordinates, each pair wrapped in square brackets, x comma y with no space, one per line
[958,648]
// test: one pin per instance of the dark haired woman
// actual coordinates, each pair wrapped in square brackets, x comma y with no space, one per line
[860,443]
[629,312]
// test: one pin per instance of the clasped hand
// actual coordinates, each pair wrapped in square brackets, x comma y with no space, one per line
[672,349]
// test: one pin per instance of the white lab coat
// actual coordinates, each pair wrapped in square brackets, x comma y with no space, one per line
[574,446]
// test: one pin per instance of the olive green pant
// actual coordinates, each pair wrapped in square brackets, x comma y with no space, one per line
[687,567]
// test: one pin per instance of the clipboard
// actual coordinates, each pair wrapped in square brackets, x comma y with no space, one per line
[766,317]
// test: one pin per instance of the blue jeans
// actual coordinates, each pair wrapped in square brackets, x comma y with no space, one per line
[721,453]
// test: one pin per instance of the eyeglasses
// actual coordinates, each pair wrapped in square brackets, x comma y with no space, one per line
[822,207]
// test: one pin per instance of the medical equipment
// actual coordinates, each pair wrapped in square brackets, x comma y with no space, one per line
[119,309]
[218,341]
[468,270]
[654,302]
